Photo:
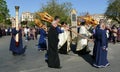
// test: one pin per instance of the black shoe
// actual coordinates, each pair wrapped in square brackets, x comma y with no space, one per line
[39,49]
[55,67]
[14,54]
[58,67]
[46,61]
[25,47]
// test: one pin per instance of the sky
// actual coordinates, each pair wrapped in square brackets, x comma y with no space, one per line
[91,6]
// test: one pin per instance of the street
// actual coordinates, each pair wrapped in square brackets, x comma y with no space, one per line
[33,61]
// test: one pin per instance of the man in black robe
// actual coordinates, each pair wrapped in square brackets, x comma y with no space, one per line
[53,57]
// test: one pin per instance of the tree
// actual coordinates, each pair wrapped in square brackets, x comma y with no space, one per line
[31,24]
[24,22]
[56,9]
[113,10]
[111,1]
[8,22]
[4,12]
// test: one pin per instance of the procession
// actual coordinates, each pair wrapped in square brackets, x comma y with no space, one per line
[58,38]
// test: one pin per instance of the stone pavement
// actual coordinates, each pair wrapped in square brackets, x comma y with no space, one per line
[33,61]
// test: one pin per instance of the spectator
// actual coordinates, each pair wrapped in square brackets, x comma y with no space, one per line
[26,31]
[0,32]
[118,37]
[114,34]
[31,34]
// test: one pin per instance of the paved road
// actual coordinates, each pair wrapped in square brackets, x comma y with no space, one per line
[33,61]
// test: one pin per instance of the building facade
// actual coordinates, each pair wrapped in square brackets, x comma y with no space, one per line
[27,16]
[12,19]
[101,16]
[98,16]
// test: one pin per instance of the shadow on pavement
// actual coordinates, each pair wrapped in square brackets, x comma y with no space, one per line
[87,57]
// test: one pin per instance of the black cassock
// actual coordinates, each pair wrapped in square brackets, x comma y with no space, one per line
[53,57]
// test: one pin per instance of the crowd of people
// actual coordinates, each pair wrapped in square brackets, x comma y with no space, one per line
[5,31]
[113,33]
[57,39]
[30,33]
[27,32]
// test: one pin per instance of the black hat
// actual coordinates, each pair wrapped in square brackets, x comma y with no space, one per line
[56,17]
[83,22]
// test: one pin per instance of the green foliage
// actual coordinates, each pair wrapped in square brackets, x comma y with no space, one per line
[113,10]
[28,23]
[31,24]
[56,9]
[8,22]
[23,22]
[4,12]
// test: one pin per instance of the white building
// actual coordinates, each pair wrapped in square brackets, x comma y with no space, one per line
[101,16]
[27,16]
[12,19]
[98,16]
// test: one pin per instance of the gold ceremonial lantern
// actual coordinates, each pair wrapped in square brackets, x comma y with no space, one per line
[38,23]
[46,17]
[89,20]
